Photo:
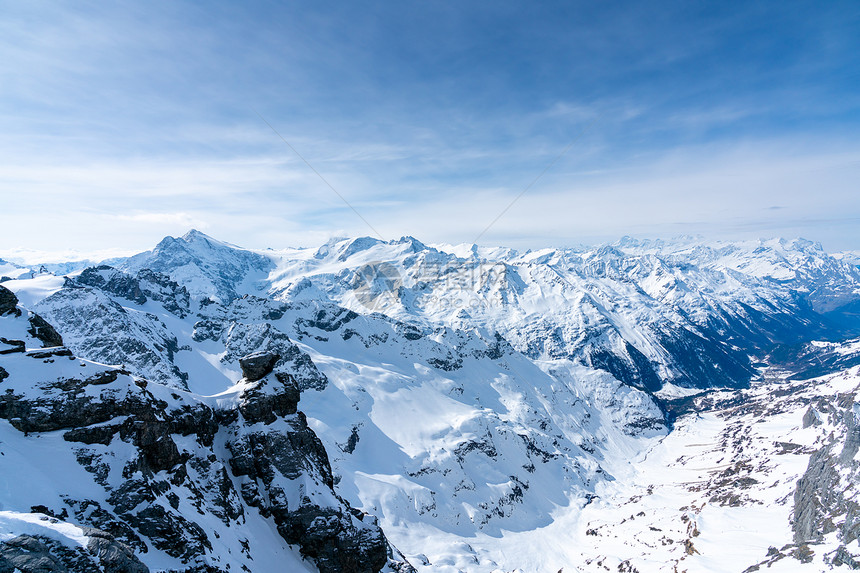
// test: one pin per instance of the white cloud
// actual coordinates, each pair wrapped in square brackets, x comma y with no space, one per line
[172,219]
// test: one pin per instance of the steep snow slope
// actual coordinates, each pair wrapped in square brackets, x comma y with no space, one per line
[208,268]
[684,314]
[449,428]
[484,403]
[122,474]
[432,426]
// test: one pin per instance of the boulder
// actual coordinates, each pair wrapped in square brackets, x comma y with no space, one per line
[258,364]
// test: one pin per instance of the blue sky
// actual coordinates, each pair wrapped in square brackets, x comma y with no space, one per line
[122,123]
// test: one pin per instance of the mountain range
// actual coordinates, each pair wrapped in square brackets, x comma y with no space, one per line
[376,405]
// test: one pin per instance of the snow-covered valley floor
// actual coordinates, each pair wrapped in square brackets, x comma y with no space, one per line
[715,495]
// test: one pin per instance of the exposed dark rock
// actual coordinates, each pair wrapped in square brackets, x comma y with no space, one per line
[37,554]
[823,500]
[12,346]
[91,435]
[447,363]
[44,332]
[844,557]
[153,450]
[114,556]
[50,352]
[170,532]
[811,418]
[258,364]
[102,330]
[113,281]
[339,541]
[334,536]
[241,338]
[31,554]
[8,301]
[328,319]
[160,287]
[270,399]
[351,442]
[207,330]
[335,540]
[66,404]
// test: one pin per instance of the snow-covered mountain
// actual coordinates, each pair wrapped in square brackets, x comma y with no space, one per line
[480,403]
[106,472]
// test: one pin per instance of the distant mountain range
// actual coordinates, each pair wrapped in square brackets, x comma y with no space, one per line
[462,408]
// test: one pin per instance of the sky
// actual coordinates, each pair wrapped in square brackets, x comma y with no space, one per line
[276,124]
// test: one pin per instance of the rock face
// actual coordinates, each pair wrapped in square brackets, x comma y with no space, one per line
[98,327]
[8,301]
[164,473]
[44,331]
[257,364]
[338,539]
[37,554]
[825,497]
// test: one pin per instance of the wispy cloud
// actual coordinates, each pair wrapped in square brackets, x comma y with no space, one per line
[128,121]
[182,219]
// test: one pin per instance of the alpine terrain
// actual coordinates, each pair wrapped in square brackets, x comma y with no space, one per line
[374,405]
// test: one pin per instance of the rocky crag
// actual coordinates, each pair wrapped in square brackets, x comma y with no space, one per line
[125,474]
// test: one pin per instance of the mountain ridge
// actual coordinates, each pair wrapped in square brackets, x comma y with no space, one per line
[486,398]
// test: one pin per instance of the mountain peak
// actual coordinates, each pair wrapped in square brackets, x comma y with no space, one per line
[195,235]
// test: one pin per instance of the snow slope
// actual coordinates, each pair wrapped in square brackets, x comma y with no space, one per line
[497,410]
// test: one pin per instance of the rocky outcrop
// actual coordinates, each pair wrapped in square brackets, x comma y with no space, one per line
[40,554]
[145,285]
[268,399]
[258,364]
[825,499]
[98,328]
[336,537]
[113,281]
[8,301]
[177,474]
[811,418]
[43,331]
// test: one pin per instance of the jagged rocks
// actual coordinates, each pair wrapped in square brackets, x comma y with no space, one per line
[811,418]
[111,280]
[44,332]
[114,556]
[269,399]
[64,404]
[39,554]
[98,328]
[11,346]
[257,364]
[175,473]
[824,499]
[240,338]
[8,301]
[844,557]
[145,285]
[339,540]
